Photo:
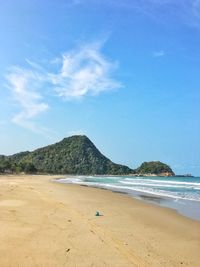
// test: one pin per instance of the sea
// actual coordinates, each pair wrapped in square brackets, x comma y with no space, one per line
[179,193]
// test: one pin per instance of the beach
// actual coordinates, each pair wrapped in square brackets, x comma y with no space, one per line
[44,223]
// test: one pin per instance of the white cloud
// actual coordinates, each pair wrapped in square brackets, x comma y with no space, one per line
[80,73]
[84,72]
[160,53]
[25,85]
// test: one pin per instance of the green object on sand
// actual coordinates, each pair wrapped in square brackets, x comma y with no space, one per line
[97,213]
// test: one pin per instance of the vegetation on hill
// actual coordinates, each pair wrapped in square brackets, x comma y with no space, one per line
[73,155]
[9,165]
[154,167]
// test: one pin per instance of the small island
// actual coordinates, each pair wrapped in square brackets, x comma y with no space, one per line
[154,168]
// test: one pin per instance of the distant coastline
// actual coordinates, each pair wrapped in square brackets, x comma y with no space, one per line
[184,175]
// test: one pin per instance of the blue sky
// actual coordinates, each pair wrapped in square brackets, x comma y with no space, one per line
[125,73]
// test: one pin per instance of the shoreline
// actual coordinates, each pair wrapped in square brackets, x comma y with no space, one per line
[185,207]
[163,202]
[45,223]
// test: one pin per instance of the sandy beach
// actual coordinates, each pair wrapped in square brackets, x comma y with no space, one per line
[44,223]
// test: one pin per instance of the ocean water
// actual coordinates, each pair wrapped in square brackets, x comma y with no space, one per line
[180,193]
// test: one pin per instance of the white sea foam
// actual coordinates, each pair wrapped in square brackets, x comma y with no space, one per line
[158,184]
[162,181]
[160,193]
[71,180]
[179,189]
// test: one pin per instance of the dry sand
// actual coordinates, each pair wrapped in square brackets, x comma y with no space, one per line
[43,223]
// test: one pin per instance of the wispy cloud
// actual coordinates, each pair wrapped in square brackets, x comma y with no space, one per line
[79,73]
[25,86]
[84,72]
[160,53]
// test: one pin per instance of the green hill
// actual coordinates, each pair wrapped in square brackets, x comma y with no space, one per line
[73,155]
[155,167]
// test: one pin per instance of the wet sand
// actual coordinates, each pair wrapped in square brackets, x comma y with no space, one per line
[44,223]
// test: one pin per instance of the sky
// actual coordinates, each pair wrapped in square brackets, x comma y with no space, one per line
[124,73]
